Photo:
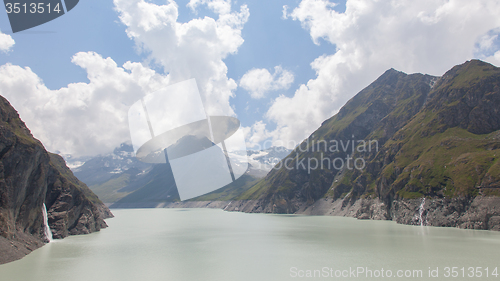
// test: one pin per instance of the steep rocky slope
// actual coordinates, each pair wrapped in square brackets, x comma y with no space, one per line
[436,162]
[31,177]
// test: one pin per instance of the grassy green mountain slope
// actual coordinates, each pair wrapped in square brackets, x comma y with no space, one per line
[451,147]
[380,109]
[437,139]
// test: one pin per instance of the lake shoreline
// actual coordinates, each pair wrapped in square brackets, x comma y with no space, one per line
[480,213]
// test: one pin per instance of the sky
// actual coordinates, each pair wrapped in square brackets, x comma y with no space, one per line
[281,67]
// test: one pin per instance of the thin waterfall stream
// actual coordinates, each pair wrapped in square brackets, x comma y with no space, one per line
[48,232]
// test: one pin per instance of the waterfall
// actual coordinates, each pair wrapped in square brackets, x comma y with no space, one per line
[421,212]
[227,205]
[48,233]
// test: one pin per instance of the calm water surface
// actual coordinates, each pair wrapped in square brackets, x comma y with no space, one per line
[205,244]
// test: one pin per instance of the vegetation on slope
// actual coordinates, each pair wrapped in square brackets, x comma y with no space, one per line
[437,138]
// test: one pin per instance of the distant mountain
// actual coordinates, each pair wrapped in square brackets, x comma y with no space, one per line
[32,181]
[432,161]
[120,178]
[161,186]
[112,176]
[155,187]
[102,168]
[188,145]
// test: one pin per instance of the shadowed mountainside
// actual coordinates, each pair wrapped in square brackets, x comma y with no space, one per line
[31,177]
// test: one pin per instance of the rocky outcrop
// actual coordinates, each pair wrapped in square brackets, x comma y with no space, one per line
[31,177]
[72,207]
[469,213]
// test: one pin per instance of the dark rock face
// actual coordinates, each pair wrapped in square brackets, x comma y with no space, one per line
[30,177]
[72,207]
[439,141]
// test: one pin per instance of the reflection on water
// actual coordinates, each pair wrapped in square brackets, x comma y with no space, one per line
[205,244]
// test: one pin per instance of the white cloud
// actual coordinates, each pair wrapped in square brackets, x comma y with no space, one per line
[487,42]
[256,134]
[488,45]
[195,49]
[259,81]
[218,6]
[91,118]
[493,59]
[6,42]
[83,118]
[370,37]
[284,16]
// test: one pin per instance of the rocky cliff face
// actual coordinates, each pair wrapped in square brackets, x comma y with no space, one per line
[31,177]
[72,207]
[437,140]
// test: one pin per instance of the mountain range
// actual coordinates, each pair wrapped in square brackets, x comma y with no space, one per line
[120,180]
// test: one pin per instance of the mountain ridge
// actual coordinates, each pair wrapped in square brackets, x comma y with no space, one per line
[357,118]
[413,117]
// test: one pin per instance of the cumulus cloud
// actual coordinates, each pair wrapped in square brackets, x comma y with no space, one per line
[218,6]
[256,134]
[259,81]
[195,49]
[91,118]
[370,37]
[6,42]
[83,118]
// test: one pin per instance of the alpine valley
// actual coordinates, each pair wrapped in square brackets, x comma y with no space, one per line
[422,151]
[416,149]
[122,181]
